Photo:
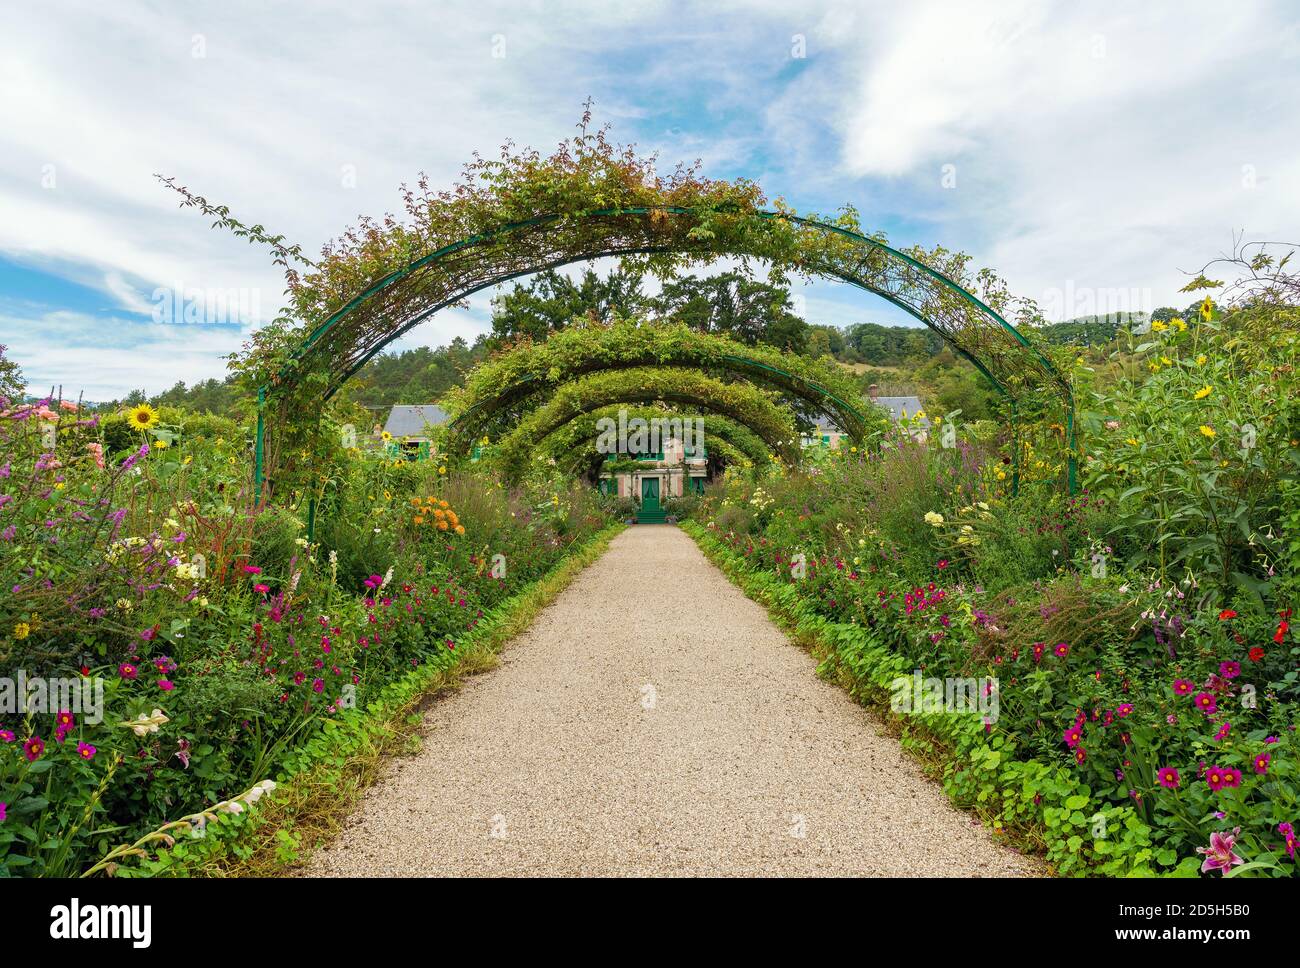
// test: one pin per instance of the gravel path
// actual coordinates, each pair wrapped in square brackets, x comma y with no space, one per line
[653,721]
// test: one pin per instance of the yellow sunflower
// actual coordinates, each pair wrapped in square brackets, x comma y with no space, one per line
[142,416]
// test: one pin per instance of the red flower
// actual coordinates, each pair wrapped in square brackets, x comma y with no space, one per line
[1256,654]
[1226,614]
[1282,628]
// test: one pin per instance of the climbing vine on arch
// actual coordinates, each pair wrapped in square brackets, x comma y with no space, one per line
[520,212]
[743,403]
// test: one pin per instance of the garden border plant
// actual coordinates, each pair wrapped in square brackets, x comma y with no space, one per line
[266,834]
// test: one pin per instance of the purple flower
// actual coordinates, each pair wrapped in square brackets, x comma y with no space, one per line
[1219,855]
[1230,670]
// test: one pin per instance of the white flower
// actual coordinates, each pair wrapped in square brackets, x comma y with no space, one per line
[933,518]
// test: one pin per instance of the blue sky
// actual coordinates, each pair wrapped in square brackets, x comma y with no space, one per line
[1091,153]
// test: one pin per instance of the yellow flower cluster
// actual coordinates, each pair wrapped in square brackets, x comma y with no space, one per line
[436,514]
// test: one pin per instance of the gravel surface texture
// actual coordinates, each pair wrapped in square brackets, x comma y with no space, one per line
[653,721]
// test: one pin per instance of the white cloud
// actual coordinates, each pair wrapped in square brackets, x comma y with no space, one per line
[1096,147]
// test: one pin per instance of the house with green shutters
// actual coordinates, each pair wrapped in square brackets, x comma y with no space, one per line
[651,477]
[407,432]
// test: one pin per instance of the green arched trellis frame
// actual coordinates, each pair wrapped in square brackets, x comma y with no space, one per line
[403,298]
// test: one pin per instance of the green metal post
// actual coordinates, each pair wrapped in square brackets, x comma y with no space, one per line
[258,447]
[1071,443]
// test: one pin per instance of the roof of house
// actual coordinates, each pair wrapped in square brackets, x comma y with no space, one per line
[901,408]
[404,421]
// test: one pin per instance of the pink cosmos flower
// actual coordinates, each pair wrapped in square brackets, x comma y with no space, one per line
[318,685]
[1261,762]
[1061,650]
[1205,703]
[1072,737]
[1080,755]
[1182,687]
[1284,828]
[7,735]
[33,749]
[1230,670]
[1214,777]
[85,751]
[1169,777]
[1123,709]
[263,589]
[1223,730]
[1219,855]
[127,671]
[64,720]
[166,685]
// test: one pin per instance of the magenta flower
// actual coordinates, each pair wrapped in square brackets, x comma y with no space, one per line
[252,569]
[262,588]
[1182,687]
[1123,709]
[3,808]
[1214,777]
[33,749]
[7,735]
[1284,828]
[1061,650]
[1169,777]
[1224,730]
[1230,670]
[166,685]
[1072,737]
[85,751]
[1219,855]
[127,671]
[1261,762]
[318,685]
[64,719]
[1205,703]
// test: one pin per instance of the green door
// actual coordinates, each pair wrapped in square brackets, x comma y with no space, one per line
[650,493]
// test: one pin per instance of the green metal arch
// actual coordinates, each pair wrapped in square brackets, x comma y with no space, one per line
[557,413]
[580,432]
[852,420]
[386,283]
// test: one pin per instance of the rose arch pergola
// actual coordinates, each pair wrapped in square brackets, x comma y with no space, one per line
[524,214]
